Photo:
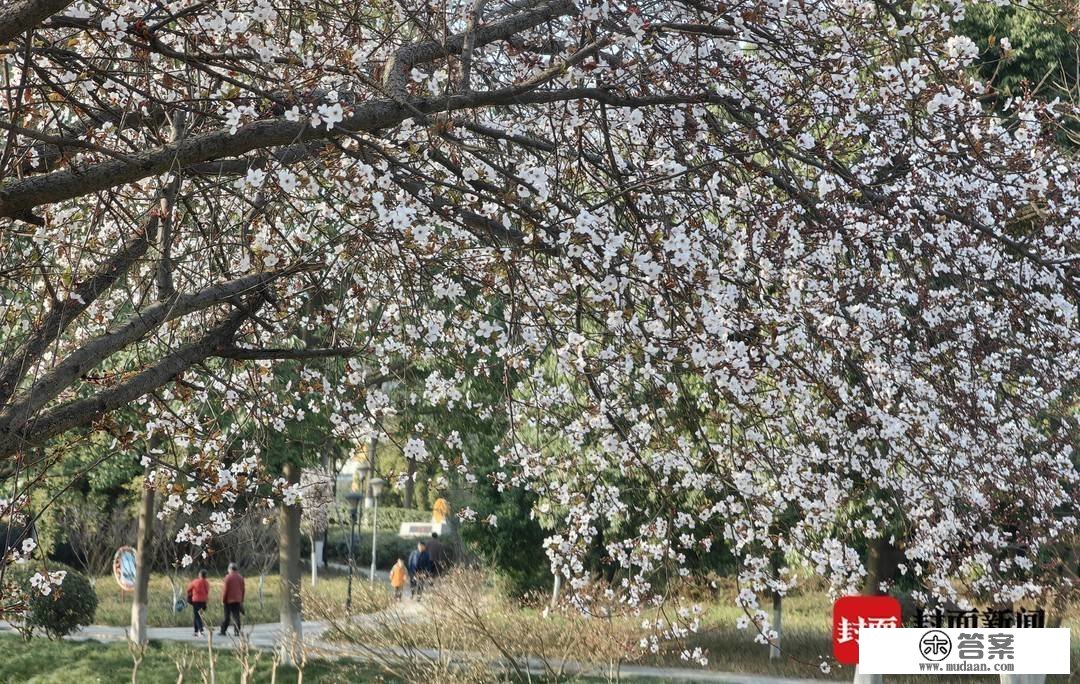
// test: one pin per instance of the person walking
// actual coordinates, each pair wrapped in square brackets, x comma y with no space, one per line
[419,565]
[232,597]
[437,554]
[198,593]
[398,573]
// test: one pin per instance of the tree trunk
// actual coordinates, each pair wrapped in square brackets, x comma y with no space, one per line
[776,560]
[369,501]
[164,283]
[860,678]
[1053,621]
[882,560]
[777,614]
[289,567]
[316,560]
[140,601]
[555,589]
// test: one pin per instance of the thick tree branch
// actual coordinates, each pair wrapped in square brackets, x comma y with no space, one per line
[57,319]
[27,14]
[248,353]
[84,411]
[19,197]
[396,75]
[95,351]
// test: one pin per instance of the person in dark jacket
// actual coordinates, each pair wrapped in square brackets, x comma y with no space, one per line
[437,554]
[232,596]
[419,567]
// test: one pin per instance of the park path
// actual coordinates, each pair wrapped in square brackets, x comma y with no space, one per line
[264,637]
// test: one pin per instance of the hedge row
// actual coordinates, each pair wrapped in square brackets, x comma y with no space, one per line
[390,548]
[391,517]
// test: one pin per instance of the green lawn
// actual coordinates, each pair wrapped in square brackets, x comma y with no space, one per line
[114,608]
[63,662]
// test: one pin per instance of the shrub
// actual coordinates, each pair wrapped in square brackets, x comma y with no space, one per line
[391,517]
[390,548]
[11,536]
[65,609]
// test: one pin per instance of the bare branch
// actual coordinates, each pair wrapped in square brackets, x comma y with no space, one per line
[401,63]
[241,353]
[469,44]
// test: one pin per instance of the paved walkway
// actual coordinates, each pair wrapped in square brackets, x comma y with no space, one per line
[265,637]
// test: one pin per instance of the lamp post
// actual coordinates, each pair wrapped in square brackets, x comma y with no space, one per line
[376,490]
[361,488]
[354,503]
[369,467]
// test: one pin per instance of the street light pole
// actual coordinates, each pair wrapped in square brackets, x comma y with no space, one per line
[369,467]
[354,501]
[376,490]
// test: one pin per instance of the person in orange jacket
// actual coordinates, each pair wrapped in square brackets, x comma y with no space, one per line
[398,575]
[198,593]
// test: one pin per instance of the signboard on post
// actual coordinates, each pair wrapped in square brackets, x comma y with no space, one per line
[124,568]
[419,529]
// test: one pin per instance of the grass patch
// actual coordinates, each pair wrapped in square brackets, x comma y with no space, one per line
[63,662]
[114,608]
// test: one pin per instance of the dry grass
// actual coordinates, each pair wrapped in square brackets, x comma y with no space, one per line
[467,626]
[467,632]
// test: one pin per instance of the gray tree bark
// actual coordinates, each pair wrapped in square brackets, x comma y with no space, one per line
[141,599]
[165,293]
[292,635]
[776,561]
[881,565]
[777,615]
[24,15]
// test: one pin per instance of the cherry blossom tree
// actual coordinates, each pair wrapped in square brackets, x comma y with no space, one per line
[317,486]
[756,262]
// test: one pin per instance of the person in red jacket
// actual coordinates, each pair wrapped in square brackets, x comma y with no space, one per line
[198,593]
[232,596]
